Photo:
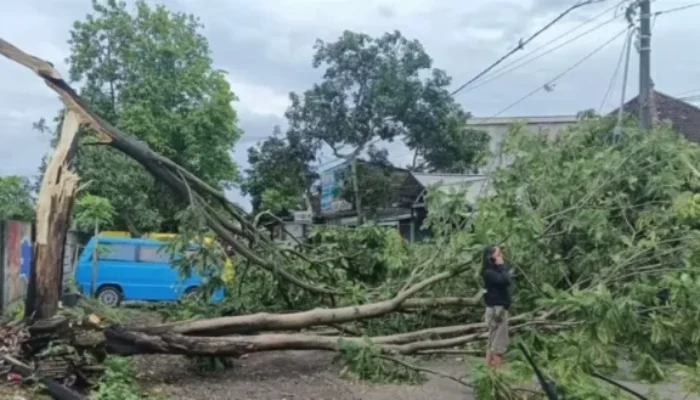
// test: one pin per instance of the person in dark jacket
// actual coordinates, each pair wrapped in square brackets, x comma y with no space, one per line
[497,299]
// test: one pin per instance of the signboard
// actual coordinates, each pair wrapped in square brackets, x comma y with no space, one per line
[330,188]
[303,217]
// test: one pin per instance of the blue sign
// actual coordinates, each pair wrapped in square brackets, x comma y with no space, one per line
[330,187]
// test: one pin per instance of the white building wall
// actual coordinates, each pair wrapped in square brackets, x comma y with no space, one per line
[498,128]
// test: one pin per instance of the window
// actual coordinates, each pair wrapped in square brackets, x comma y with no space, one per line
[154,254]
[117,252]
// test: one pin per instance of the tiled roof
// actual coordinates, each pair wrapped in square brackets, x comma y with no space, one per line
[684,117]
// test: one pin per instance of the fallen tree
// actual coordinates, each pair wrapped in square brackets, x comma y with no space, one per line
[125,342]
[604,233]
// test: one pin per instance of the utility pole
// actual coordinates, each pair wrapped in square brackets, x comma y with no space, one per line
[644,98]
[356,190]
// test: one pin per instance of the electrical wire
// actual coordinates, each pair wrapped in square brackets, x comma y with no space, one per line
[694,98]
[613,79]
[617,133]
[579,62]
[522,43]
[681,8]
[498,159]
[688,92]
[589,55]
[517,63]
[559,17]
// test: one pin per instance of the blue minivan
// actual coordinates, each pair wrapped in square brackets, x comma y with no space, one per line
[131,269]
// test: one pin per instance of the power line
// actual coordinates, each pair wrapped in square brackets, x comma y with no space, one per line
[499,156]
[546,84]
[515,63]
[560,75]
[580,4]
[688,92]
[690,98]
[681,8]
[613,79]
[522,43]
[617,133]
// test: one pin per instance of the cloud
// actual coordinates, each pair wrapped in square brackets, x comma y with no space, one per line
[267,46]
[259,100]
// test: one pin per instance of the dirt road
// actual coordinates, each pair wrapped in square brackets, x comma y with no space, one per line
[291,375]
[294,375]
[313,375]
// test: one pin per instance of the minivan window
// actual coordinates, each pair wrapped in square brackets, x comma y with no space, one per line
[117,252]
[154,254]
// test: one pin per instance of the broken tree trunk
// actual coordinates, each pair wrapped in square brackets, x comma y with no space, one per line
[55,200]
[126,342]
[230,228]
[53,213]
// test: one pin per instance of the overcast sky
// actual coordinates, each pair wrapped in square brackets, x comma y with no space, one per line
[266,47]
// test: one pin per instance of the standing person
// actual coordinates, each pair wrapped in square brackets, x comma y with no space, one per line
[497,300]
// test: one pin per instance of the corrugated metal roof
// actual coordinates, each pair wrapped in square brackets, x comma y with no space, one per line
[471,185]
[474,189]
[445,179]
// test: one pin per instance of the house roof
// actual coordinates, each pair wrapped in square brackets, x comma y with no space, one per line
[684,117]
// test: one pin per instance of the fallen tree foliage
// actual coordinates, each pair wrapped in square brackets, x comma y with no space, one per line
[604,237]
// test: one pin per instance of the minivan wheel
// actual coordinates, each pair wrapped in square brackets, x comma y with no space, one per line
[109,296]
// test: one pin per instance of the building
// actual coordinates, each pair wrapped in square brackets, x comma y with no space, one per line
[498,127]
[334,210]
[290,229]
[683,117]
[416,187]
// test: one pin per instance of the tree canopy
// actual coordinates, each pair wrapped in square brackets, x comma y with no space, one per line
[15,199]
[280,177]
[373,88]
[149,71]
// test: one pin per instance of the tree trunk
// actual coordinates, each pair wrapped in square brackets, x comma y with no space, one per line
[125,342]
[356,191]
[53,213]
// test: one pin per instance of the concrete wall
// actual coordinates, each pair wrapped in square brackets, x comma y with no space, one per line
[16,261]
[291,233]
[497,128]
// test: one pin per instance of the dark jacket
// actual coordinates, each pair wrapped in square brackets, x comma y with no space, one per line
[497,284]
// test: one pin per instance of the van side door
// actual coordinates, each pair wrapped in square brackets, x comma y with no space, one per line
[160,278]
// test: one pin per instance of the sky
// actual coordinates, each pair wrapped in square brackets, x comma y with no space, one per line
[265,46]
